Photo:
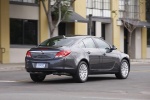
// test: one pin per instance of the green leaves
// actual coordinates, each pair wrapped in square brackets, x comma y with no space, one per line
[65,11]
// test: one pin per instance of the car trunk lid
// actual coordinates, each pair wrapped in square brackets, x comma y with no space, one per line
[44,52]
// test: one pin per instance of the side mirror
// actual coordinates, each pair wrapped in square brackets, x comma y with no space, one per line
[113,47]
[108,50]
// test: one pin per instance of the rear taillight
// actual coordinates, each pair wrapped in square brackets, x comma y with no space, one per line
[63,53]
[28,54]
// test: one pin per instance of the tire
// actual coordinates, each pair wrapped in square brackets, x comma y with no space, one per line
[123,70]
[81,75]
[37,77]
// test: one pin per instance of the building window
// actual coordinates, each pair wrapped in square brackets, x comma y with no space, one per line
[129,9]
[23,32]
[99,8]
[148,19]
[25,1]
[148,37]
[148,11]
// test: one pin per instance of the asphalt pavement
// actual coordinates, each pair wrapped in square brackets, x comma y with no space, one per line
[17,85]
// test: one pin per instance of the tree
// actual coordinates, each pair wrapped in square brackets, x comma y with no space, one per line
[57,12]
[131,17]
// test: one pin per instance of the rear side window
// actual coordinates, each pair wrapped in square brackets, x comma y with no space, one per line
[81,45]
[58,41]
[101,44]
[89,43]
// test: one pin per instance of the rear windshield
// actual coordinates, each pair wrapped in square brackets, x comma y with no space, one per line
[58,41]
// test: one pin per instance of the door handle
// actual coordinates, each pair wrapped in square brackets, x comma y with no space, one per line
[88,52]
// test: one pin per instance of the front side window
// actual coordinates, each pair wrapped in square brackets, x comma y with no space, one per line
[100,8]
[89,43]
[101,44]
[23,32]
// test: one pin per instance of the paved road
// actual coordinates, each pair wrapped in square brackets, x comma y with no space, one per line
[16,85]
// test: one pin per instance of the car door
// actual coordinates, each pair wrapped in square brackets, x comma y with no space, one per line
[108,57]
[93,53]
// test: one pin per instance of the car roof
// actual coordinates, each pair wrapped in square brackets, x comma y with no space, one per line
[77,36]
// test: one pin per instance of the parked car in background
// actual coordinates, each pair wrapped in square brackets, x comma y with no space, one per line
[77,56]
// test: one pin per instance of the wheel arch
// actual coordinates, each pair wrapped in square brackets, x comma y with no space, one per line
[85,60]
[127,61]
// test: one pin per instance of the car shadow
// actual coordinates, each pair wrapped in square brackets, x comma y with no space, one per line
[68,80]
[101,78]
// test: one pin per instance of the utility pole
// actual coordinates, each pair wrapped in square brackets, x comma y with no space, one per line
[90,25]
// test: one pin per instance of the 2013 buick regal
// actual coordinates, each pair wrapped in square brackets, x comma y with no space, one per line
[78,56]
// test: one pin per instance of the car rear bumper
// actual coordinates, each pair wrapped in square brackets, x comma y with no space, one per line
[51,66]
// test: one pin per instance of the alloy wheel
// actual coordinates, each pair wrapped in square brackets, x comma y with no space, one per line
[83,72]
[124,69]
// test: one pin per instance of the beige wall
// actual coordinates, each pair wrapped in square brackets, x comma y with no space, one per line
[115,28]
[80,8]
[144,30]
[4,31]
[43,24]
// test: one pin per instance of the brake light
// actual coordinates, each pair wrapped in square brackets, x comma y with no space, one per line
[63,53]
[28,54]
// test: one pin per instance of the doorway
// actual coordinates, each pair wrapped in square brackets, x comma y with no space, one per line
[103,31]
[62,29]
[126,40]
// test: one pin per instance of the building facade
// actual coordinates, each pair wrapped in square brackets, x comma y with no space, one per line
[23,24]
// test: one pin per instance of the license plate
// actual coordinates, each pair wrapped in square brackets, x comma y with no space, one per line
[40,65]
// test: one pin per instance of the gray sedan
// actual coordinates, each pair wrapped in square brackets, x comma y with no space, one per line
[77,56]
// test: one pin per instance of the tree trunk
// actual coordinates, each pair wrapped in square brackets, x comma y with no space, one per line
[129,43]
[48,13]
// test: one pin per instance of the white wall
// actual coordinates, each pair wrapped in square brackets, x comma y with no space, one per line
[24,12]
[133,46]
[148,52]
[138,44]
[17,55]
[122,39]
[98,29]
[108,33]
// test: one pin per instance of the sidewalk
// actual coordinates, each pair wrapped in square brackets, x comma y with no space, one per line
[12,67]
[140,61]
[20,66]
